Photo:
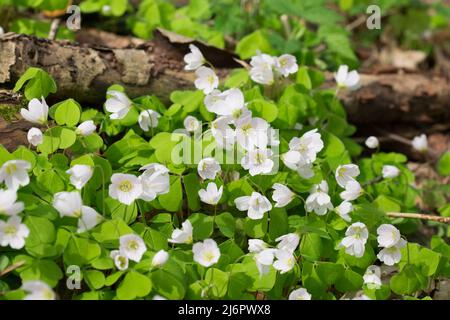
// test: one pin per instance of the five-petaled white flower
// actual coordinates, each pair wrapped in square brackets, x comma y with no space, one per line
[352,191]
[13,232]
[89,219]
[118,104]
[86,128]
[300,294]
[318,200]
[38,290]
[420,143]
[160,258]
[14,173]
[208,168]
[132,246]
[193,59]
[346,173]
[37,111]
[183,235]
[207,80]
[227,103]
[206,253]
[68,204]
[35,137]
[80,174]
[155,181]
[388,235]
[303,150]
[347,79]
[148,119]
[251,132]
[372,142]
[255,205]
[191,124]
[286,64]
[262,68]
[120,260]
[390,172]
[392,255]
[344,209]
[288,242]
[125,188]
[285,261]
[355,240]
[372,277]
[257,161]
[282,195]
[211,195]
[8,204]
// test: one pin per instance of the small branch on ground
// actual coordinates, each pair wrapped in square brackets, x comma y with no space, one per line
[54,29]
[419,216]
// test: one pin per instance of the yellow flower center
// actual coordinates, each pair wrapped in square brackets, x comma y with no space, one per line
[133,245]
[209,256]
[125,186]
[11,168]
[10,229]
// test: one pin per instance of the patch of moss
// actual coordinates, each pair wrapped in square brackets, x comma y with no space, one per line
[9,111]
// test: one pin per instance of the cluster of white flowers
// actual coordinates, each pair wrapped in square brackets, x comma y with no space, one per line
[280,258]
[389,238]
[13,174]
[265,69]
[132,247]
[127,188]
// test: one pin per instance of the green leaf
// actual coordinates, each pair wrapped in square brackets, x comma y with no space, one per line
[408,281]
[134,285]
[250,44]
[172,200]
[226,224]
[81,251]
[256,228]
[349,281]
[263,109]
[218,281]
[94,278]
[67,112]
[202,225]
[192,186]
[39,242]
[443,165]
[167,284]
[39,83]
[42,269]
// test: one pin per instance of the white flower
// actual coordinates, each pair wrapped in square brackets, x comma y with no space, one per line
[285,261]
[86,128]
[118,104]
[346,173]
[227,103]
[288,242]
[389,171]
[191,124]
[125,188]
[183,235]
[155,181]
[37,111]
[300,294]
[13,233]
[206,253]
[347,79]
[2,32]
[264,259]
[319,201]
[257,161]
[388,235]
[120,260]
[392,255]
[261,70]
[256,245]
[282,195]
[80,174]
[207,79]
[223,134]
[372,142]
[68,203]
[361,297]
[306,148]
[420,143]
[255,205]
[211,195]
[89,219]
[208,168]
[8,204]
[158,297]
[14,173]
[106,9]
[286,64]
[132,246]
[251,132]
[352,191]
[355,240]
[148,119]
[344,209]
[160,258]
[38,290]
[193,59]
[35,137]
[372,277]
